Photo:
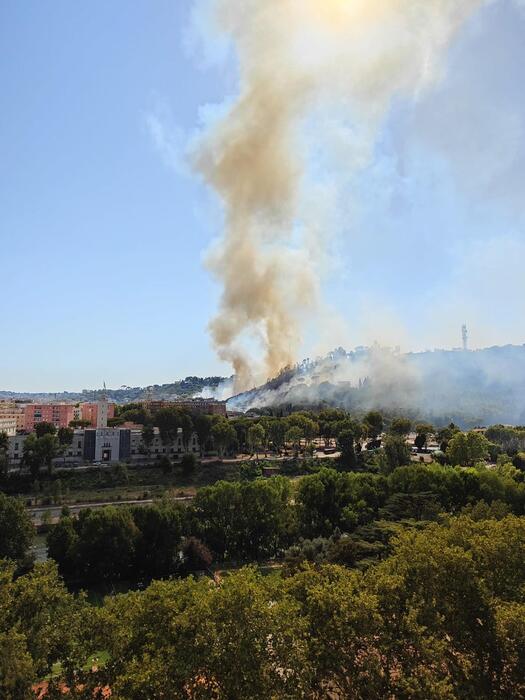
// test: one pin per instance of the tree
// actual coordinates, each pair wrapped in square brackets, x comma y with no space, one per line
[445,434]
[423,432]
[202,424]
[396,453]
[373,422]
[465,449]
[4,447]
[158,542]
[4,441]
[276,434]
[195,556]
[79,423]
[345,441]
[44,428]
[328,419]
[241,426]
[62,546]
[186,424]
[65,436]
[293,437]
[244,520]
[106,546]
[400,426]
[168,421]
[308,427]
[148,435]
[223,435]
[65,439]
[188,464]
[16,529]
[39,452]
[235,640]
[256,438]
[40,625]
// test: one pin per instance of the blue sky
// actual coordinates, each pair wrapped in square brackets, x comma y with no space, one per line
[103,233]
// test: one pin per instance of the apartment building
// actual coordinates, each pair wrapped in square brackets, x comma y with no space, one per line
[59,414]
[8,425]
[11,413]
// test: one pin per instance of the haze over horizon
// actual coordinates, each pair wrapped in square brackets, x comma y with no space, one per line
[105,228]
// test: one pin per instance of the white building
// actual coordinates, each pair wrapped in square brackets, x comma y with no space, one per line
[8,425]
[110,445]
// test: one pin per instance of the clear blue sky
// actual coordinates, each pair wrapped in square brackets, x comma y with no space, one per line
[103,235]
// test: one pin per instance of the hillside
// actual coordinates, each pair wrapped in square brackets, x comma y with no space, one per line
[471,387]
[191,386]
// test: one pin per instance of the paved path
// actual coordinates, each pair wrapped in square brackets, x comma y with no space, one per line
[37,512]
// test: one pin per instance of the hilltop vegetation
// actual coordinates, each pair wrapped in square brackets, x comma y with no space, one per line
[190,386]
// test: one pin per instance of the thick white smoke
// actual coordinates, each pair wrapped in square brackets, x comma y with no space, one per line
[299,61]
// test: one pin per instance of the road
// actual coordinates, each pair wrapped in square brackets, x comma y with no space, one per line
[37,513]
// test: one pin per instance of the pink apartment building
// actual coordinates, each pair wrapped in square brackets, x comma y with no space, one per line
[60,414]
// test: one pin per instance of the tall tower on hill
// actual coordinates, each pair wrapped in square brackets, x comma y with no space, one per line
[464,336]
[102,410]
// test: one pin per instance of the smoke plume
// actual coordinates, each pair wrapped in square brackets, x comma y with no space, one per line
[306,67]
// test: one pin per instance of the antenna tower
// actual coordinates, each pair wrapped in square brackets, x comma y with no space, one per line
[464,336]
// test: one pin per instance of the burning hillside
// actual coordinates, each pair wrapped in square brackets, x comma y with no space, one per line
[469,387]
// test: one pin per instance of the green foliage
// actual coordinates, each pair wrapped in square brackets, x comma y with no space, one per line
[223,435]
[246,520]
[148,435]
[40,624]
[44,428]
[329,500]
[188,464]
[40,451]
[203,424]
[511,440]
[16,529]
[249,471]
[373,422]
[400,426]
[434,620]
[345,442]
[65,436]
[396,453]
[256,437]
[106,544]
[465,449]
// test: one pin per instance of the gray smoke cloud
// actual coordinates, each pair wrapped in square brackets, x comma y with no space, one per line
[342,63]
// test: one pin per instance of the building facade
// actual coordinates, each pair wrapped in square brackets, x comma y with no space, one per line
[210,407]
[10,411]
[8,425]
[59,414]
[110,445]
[97,413]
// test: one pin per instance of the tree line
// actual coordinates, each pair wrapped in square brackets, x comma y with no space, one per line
[441,617]
[256,520]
